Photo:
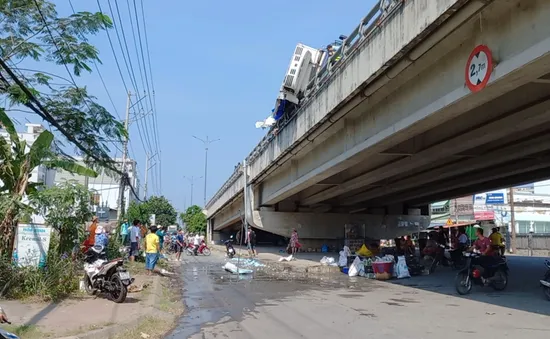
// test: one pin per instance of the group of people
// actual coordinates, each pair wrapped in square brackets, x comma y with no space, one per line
[490,246]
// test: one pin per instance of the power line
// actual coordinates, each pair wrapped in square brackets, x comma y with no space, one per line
[113,49]
[40,110]
[154,104]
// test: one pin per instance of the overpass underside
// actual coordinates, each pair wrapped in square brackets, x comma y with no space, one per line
[423,136]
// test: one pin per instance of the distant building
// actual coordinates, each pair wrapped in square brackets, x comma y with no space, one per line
[40,174]
[106,188]
[531,206]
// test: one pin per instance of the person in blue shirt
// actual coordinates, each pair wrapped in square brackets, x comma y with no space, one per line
[180,244]
[124,235]
[100,236]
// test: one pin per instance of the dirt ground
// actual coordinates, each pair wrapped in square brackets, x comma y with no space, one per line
[81,314]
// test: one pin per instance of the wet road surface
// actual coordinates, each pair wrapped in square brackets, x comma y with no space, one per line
[221,305]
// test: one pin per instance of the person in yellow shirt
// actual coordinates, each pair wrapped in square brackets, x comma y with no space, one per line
[497,241]
[152,250]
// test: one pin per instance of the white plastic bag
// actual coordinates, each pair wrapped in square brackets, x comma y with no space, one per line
[402,271]
[343,260]
[356,268]
[327,261]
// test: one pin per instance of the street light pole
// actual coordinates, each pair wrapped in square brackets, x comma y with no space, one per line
[192,182]
[206,143]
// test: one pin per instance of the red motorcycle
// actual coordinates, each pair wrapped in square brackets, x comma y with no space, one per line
[201,249]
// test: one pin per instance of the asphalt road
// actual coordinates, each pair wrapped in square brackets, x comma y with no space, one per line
[220,305]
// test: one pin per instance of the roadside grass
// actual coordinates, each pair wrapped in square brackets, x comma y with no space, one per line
[150,327]
[85,329]
[170,300]
[26,331]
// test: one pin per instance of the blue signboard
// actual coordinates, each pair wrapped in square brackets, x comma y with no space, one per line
[495,198]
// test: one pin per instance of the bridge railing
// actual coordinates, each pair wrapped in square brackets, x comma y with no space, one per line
[360,36]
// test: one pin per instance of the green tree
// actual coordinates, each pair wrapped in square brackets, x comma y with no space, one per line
[31,32]
[164,212]
[195,219]
[65,208]
[138,211]
[16,166]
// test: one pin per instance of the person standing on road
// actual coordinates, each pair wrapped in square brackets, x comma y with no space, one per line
[91,236]
[294,241]
[161,233]
[135,237]
[180,244]
[152,250]
[124,236]
[251,242]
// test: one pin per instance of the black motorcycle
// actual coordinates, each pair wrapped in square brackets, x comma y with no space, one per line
[473,273]
[230,251]
[105,276]
[545,282]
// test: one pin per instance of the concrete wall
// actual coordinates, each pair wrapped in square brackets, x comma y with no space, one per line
[331,225]
[231,188]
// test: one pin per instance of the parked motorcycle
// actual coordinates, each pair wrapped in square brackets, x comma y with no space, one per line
[105,276]
[473,274]
[4,320]
[201,249]
[229,250]
[545,283]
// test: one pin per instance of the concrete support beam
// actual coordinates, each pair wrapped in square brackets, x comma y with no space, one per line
[500,156]
[331,225]
[475,178]
[467,189]
[519,120]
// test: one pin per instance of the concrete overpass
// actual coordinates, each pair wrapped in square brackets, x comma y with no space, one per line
[395,127]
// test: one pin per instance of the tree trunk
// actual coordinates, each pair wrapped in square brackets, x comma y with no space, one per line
[7,233]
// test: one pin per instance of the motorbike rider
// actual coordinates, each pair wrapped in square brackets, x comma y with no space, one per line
[196,243]
[431,248]
[443,240]
[462,245]
[497,241]
[483,245]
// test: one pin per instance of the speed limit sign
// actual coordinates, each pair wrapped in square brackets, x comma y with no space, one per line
[479,68]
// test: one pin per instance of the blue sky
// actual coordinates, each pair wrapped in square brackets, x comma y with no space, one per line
[217,68]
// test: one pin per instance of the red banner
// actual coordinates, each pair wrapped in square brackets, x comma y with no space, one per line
[484,215]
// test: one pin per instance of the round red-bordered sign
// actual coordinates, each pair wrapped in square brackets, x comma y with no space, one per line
[479,68]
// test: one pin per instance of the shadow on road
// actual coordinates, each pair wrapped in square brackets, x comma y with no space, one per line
[523,291]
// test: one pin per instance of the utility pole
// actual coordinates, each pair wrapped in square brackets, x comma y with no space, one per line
[456,211]
[192,181]
[206,143]
[512,221]
[147,168]
[123,178]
